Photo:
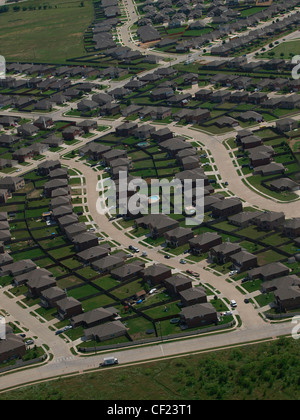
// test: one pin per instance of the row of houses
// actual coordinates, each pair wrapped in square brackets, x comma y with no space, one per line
[228,20]
[263,33]
[30,131]
[262,156]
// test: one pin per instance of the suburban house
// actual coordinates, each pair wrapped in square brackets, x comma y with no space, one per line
[198,315]
[88,125]
[244,219]
[37,285]
[53,141]
[94,317]
[67,220]
[12,347]
[270,220]
[75,229]
[27,130]
[126,129]
[54,184]
[227,207]
[158,224]
[51,296]
[12,184]
[71,132]
[106,331]
[156,274]
[287,298]
[284,184]
[17,268]
[68,308]
[272,285]
[204,242]
[286,124]
[128,271]
[269,272]
[250,142]
[193,296]
[108,263]
[222,253]
[291,228]
[43,122]
[177,284]
[272,168]
[93,254]
[46,167]
[243,261]
[178,237]
[85,241]
[35,274]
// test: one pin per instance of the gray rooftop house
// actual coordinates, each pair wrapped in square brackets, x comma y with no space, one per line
[148,33]
[94,317]
[244,218]
[105,331]
[269,271]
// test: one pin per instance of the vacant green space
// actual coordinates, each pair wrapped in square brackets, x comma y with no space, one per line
[286,50]
[266,371]
[51,33]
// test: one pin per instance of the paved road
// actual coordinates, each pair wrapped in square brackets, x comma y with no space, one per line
[68,364]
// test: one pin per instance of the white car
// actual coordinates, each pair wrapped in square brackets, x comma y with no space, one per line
[233,303]
[233,272]
[152,291]
[67,328]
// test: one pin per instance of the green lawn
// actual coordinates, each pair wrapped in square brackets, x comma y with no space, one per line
[97,302]
[285,50]
[49,35]
[265,299]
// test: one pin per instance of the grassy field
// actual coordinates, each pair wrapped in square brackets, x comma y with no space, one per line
[288,49]
[268,371]
[45,35]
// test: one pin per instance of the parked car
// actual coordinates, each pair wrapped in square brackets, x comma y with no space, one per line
[152,291]
[233,303]
[109,361]
[67,328]
[233,272]
[192,273]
